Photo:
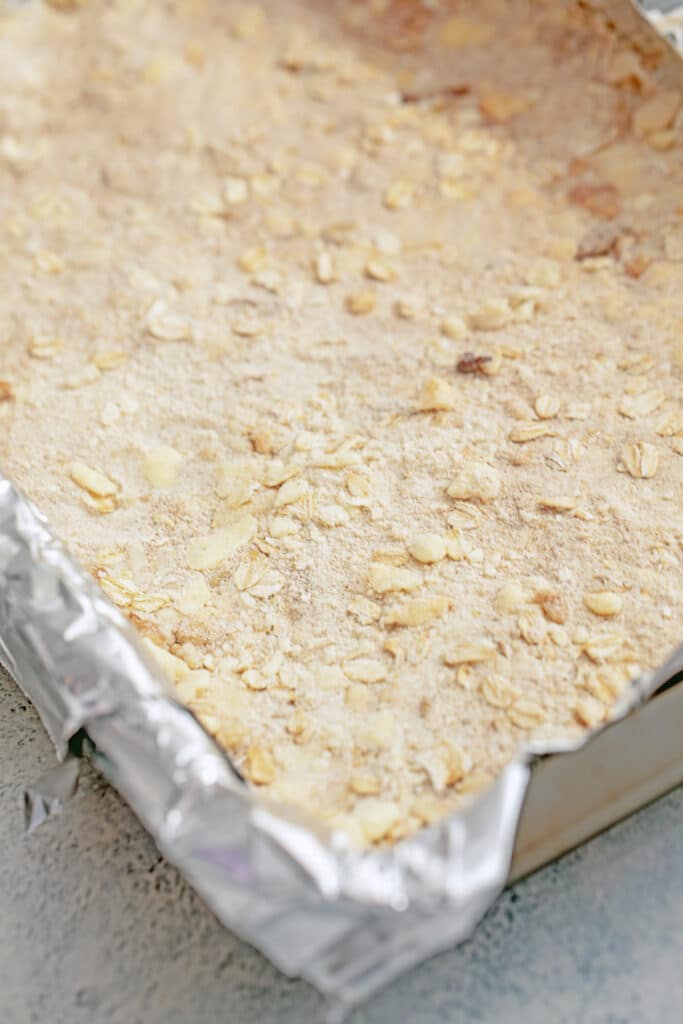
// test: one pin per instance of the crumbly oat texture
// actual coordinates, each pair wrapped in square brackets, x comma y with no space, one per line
[343,344]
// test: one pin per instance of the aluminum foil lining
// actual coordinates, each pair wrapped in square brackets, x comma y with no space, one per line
[348,922]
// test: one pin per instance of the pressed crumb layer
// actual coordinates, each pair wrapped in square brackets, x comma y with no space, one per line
[343,344]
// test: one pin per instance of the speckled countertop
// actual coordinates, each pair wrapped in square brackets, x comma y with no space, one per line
[97,927]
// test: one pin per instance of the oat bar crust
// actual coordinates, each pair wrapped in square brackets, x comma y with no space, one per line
[343,344]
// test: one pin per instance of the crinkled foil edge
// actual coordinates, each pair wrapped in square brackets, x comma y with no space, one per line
[347,922]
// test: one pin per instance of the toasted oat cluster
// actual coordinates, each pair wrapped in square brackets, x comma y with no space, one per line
[344,344]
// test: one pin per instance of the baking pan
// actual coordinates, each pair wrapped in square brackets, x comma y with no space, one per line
[346,921]
[622,768]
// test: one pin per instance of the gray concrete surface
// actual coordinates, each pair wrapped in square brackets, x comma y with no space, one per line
[97,928]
